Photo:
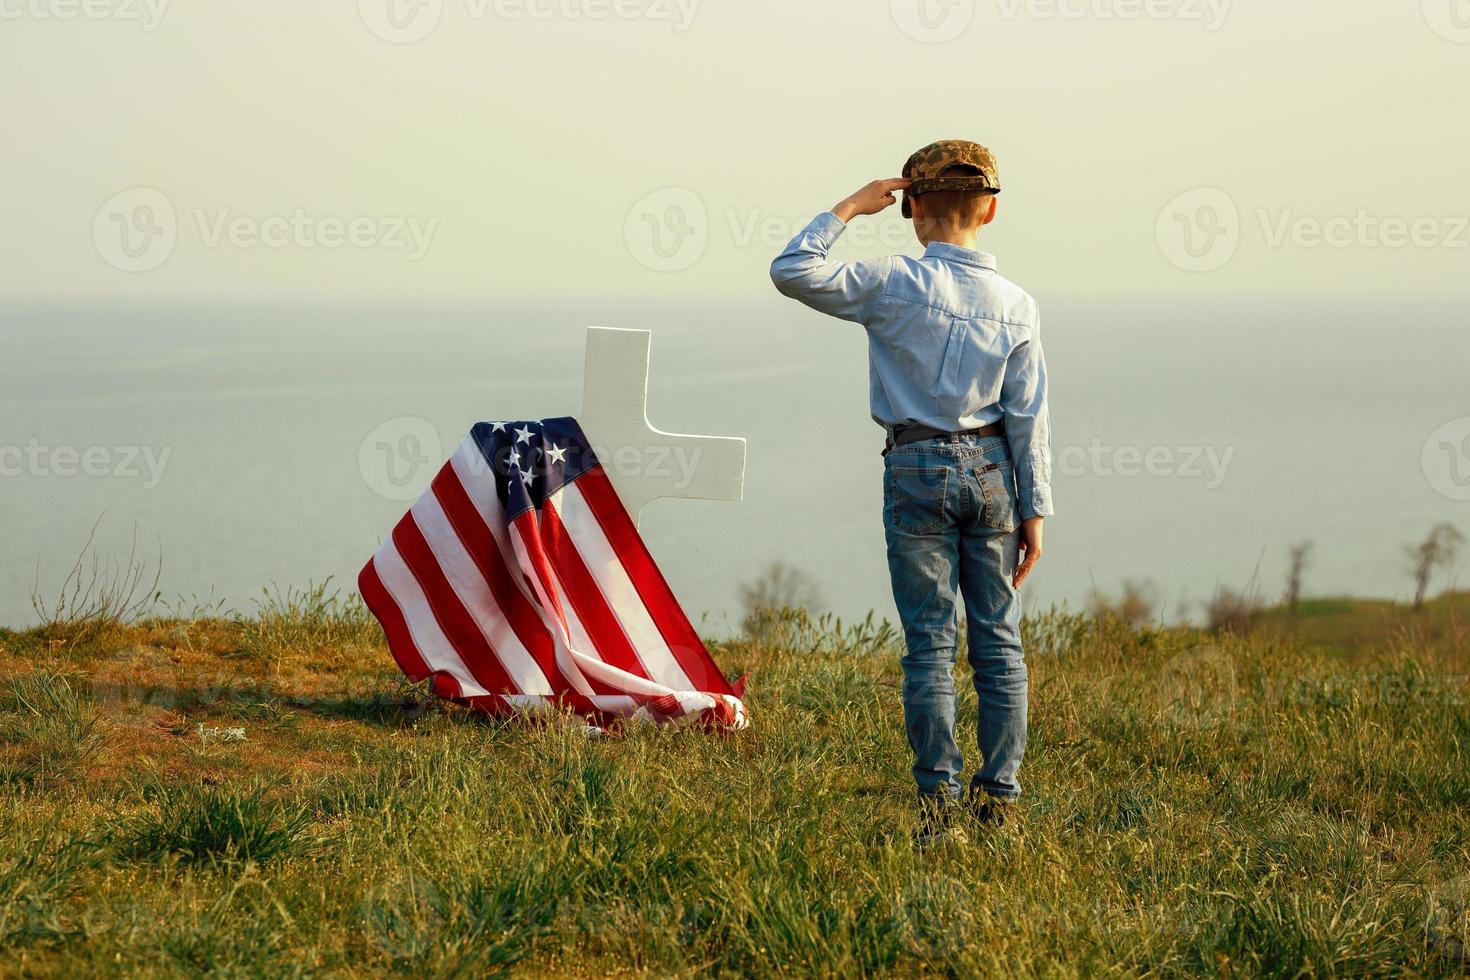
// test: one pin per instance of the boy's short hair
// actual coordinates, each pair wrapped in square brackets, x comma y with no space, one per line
[956,209]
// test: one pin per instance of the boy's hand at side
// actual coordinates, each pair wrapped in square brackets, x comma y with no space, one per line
[1030,549]
[870,199]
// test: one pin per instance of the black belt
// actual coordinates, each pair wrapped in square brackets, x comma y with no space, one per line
[903,435]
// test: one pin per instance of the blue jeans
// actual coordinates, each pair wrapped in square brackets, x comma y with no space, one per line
[951,518]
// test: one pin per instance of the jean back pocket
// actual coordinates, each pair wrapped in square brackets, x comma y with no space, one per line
[1001,509]
[916,495]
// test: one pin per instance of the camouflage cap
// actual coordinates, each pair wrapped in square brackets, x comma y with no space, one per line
[924,169]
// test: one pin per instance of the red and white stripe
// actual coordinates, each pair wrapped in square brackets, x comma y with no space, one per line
[563,606]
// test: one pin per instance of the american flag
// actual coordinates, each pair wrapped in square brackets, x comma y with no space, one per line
[518,582]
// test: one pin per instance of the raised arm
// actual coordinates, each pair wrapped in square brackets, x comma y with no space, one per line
[842,289]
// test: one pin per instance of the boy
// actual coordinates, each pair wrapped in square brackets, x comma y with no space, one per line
[959,383]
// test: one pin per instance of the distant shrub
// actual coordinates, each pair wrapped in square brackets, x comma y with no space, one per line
[781,589]
[1233,612]
[1136,605]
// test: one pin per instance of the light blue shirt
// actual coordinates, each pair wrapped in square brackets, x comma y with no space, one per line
[952,343]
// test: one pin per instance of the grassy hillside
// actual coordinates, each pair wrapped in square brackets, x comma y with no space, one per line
[1293,802]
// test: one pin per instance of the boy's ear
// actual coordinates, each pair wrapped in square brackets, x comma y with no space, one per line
[990,207]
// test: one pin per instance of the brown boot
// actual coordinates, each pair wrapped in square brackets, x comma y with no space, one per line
[989,812]
[938,824]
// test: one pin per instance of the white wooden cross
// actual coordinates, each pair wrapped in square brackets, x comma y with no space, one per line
[642,462]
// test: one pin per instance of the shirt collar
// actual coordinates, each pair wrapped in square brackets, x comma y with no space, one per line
[960,254]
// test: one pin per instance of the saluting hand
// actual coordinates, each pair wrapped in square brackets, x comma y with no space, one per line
[871,199]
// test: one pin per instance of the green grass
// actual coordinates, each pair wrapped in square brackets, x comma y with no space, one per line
[310,620]
[55,732]
[1295,802]
[199,824]
[34,882]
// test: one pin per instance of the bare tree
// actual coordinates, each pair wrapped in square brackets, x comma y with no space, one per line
[1436,551]
[1300,555]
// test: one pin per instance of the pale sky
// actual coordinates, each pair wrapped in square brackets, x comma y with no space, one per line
[528,148]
